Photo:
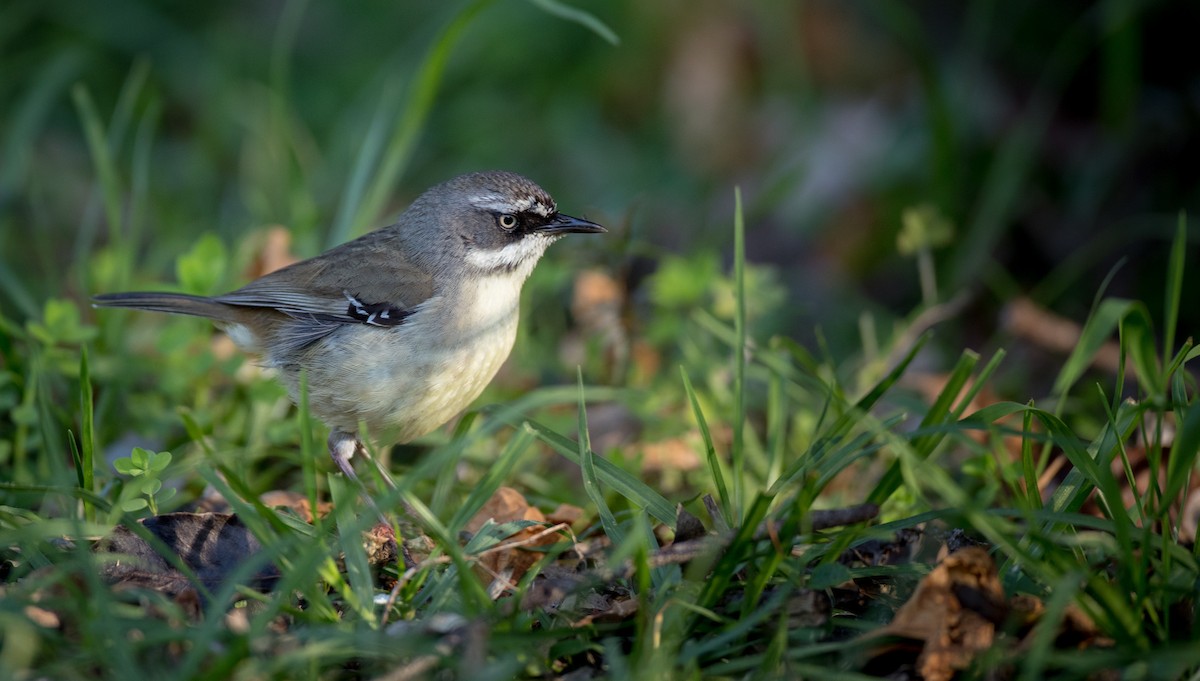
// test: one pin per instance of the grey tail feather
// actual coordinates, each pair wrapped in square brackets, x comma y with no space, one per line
[175,303]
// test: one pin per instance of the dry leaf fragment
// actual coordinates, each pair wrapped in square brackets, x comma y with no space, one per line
[506,505]
[566,514]
[295,501]
[675,454]
[42,617]
[274,252]
[213,545]
[617,610]
[953,614]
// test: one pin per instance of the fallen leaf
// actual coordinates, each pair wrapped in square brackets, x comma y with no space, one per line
[617,610]
[274,252]
[566,514]
[952,615]
[212,545]
[509,564]
[297,502]
[42,617]
[675,454]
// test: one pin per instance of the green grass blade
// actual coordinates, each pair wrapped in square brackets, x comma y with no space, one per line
[738,450]
[1174,289]
[591,482]
[359,597]
[846,422]
[619,480]
[1184,453]
[364,165]
[1136,333]
[26,116]
[939,412]
[403,139]
[1096,332]
[85,466]
[496,474]
[102,159]
[710,450]
[578,16]
[309,453]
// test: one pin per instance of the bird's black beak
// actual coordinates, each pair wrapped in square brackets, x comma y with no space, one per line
[565,224]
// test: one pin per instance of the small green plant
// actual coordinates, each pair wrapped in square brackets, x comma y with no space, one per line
[145,490]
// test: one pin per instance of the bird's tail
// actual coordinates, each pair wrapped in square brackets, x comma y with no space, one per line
[175,303]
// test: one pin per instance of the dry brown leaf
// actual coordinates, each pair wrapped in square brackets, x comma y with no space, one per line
[506,505]
[646,361]
[598,300]
[296,501]
[675,454]
[617,610]
[566,514]
[1026,319]
[42,617]
[953,614]
[274,253]
[213,545]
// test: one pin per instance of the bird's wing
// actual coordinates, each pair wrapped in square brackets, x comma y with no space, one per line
[361,282]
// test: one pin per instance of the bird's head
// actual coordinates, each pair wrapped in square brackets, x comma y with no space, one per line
[494,222]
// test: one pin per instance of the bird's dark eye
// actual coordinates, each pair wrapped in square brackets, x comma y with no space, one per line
[508,222]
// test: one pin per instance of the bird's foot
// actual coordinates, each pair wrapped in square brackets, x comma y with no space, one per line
[342,447]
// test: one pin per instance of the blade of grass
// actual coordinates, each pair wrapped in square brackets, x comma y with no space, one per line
[1184,453]
[777,420]
[1174,288]
[591,482]
[102,160]
[578,16]
[710,449]
[359,597]
[1029,467]
[1096,331]
[619,480]
[475,599]
[939,412]
[738,450]
[445,478]
[843,425]
[1041,639]
[496,474]
[410,122]
[85,466]
[308,455]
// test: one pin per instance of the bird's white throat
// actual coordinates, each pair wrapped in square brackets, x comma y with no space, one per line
[518,257]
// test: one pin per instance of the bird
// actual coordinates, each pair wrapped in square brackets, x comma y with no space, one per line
[402,328]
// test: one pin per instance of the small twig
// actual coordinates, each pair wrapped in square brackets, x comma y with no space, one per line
[522,542]
[836,517]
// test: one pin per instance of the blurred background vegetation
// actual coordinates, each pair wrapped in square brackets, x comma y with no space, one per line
[1033,146]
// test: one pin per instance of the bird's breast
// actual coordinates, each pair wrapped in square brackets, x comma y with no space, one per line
[407,380]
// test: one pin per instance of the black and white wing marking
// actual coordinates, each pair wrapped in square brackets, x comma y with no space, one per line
[314,298]
[375,314]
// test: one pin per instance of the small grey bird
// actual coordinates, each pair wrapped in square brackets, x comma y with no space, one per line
[403,327]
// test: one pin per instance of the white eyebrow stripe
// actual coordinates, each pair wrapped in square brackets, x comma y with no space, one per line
[501,204]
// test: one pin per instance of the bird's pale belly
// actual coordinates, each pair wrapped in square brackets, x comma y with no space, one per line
[400,394]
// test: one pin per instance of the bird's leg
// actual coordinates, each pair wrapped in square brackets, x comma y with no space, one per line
[342,447]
